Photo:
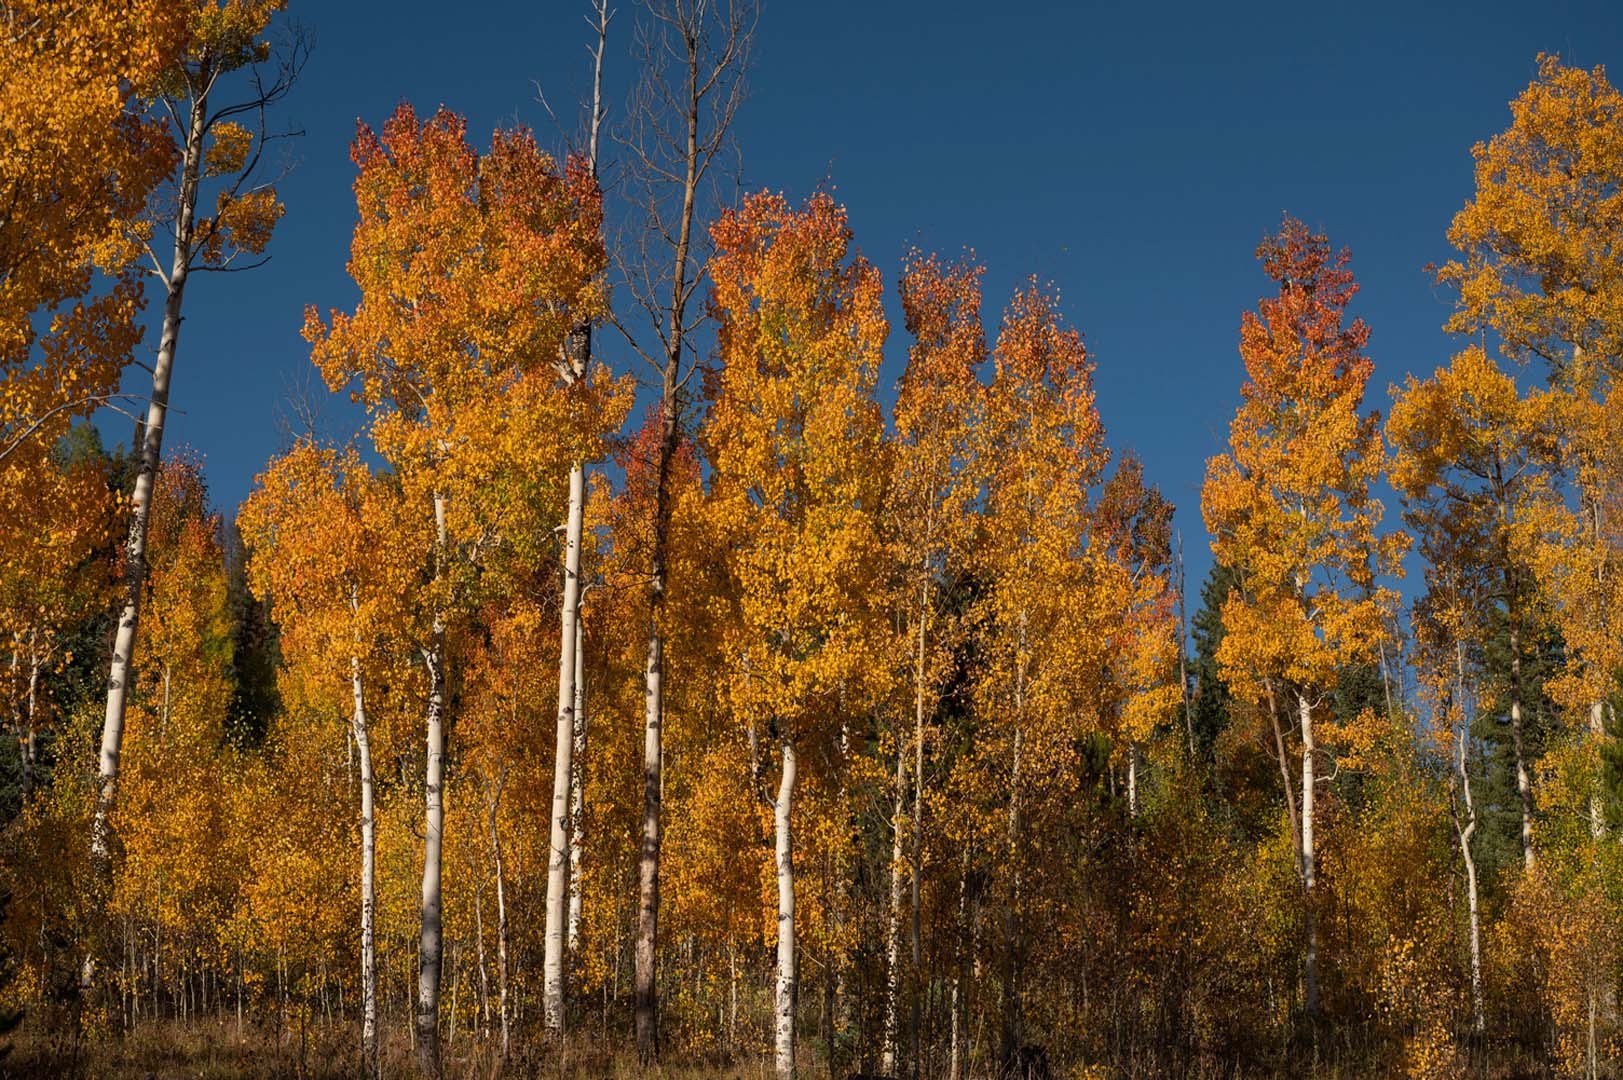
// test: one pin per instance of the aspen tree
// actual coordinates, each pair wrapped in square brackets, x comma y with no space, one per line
[1537,269]
[210,147]
[929,505]
[472,271]
[574,368]
[330,551]
[1043,643]
[1289,507]
[795,443]
[692,58]
[1475,461]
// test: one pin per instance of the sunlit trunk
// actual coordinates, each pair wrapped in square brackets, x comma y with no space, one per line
[148,453]
[563,766]
[1597,803]
[370,1065]
[788,976]
[893,917]
[28,744]
[501,917]
[577,798]
[1132,779]
[1309,860]
[430,941]
[1524,779]
[1466,830]
[917,874]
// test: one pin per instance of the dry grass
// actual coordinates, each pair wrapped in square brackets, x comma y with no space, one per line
[216,1050]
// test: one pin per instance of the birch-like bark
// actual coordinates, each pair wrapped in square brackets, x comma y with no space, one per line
[1524,779]
[1310,920]
[577,798]
[563,767]
[788,975]
[917,873]
[893,917]
[575,363]
[1466,829]
[28,745]
[148,454]
[1597,804]
[956,1004]
[429,936]
[690,88]
[645,994]
[370,1065]
[430,940]
[1132,779]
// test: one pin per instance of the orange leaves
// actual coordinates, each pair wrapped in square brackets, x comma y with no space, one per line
[1540,237]
[795,440]
[471,271]
[78,160]
[1289,504]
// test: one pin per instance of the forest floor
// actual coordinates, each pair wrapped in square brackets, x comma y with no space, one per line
[220,1050]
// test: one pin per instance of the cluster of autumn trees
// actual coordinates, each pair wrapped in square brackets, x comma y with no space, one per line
[783,713]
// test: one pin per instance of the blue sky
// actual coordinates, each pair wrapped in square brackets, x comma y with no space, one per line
[1132,154]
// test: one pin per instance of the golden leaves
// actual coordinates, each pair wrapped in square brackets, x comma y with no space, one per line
[1290,504]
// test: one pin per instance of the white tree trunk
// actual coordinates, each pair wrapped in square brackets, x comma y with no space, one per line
[645,1014]
[1466,830]
[563,766]
[1597,804]
[893,917]
[135,546]
[577,798]
[788,978]
[370,1065]
[1524,780]
[1132,779]
[1309,870]
[28,745]
[430,941]
[501,914]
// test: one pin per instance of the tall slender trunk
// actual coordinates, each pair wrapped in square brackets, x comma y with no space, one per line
[370,1065]
[917,874]
[1524,779]
[1466,829]
[893,916]
[1133,754]
[1597,803]
[28,745]
[430,936]
[563,765]
[135,546]
[645,989]
[957,1006]
[1184,697]
[577,798]
[1310,918]
[479,955]
[429,939]
[788,976]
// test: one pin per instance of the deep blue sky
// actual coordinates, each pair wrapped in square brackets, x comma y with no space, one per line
[1131,153]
